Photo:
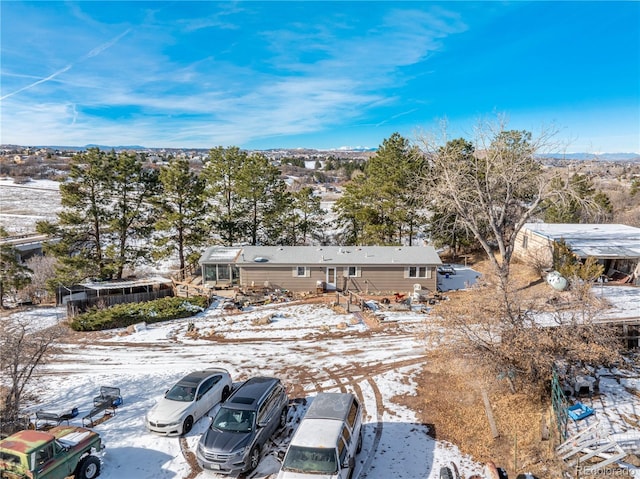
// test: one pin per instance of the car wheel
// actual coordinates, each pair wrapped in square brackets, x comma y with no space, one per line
[359,446]
[283,417]
[445,473]
[88,468]
[254,458]
[187,425]
[225,393]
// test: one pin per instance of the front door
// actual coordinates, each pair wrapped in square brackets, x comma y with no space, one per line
[331,279]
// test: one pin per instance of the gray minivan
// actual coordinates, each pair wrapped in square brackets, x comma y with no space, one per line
[327,440]
[234,439]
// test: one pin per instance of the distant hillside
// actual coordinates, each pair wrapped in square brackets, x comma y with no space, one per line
[103,147]
[339,152]
[593,156]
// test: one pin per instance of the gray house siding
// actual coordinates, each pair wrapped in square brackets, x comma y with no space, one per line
[380,278]
[281,277]
[373,269]
[374,279]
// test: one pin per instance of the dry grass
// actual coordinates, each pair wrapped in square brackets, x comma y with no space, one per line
[450,398]
[451,403]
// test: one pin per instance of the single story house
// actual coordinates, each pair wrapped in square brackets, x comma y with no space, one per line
[330,268]
[615,246]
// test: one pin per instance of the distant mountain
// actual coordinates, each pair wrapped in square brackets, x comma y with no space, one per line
[103,147]
[343,150]
[593,156]
[76,148]
[354,148]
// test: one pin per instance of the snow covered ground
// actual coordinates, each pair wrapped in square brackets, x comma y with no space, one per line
[22,205]
[309,346]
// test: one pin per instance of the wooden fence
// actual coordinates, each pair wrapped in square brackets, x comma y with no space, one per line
[78,306]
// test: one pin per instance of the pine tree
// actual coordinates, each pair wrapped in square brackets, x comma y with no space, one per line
[13,274]
[80,231]
[262,194]
[181,224]
[221,170]
[382,207]
[106,217]
[584,205]
[304,218]
[131,223]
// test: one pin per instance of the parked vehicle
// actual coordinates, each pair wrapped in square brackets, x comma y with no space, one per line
[188,400]
[233,442]
[54,454]
[327,440]
[446,269]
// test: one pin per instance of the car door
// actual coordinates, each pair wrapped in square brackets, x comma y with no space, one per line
[345,461]
[266,418]
[273,410]
[354,421]
[205,397]
[52,463]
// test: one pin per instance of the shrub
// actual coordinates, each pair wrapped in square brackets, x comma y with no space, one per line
[123,315]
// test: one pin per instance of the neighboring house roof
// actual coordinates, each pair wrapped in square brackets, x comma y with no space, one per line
[124,284]
[328,255]
[598,240]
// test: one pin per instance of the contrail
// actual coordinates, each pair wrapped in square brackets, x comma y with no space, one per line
[396,116]
[99,49]
[50,77]
[96,51]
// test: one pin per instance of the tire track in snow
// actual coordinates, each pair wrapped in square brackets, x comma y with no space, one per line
[190,458]
[367,466]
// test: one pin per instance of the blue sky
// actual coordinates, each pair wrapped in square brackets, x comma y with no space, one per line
[262,75]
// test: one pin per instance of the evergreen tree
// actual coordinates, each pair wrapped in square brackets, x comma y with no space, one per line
[352,211]
[445,226]
[304,219]
[221,172]
[181,225]
[13,274]
[81,229]
[132,188]
[382,206]
[262,194]
[584,205]
[106,217]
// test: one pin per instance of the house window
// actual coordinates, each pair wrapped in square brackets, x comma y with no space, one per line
[352,271]
[525,241]
[301,271]
[418,272]
[220,272]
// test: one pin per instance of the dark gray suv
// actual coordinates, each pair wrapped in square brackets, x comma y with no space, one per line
[234,440]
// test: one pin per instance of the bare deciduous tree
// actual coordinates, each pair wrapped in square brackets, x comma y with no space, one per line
[42,271]
[494,184]
[22,351]
[524,347]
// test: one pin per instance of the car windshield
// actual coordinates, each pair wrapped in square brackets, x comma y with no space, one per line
[310,460]
[181,392]
[234,420]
